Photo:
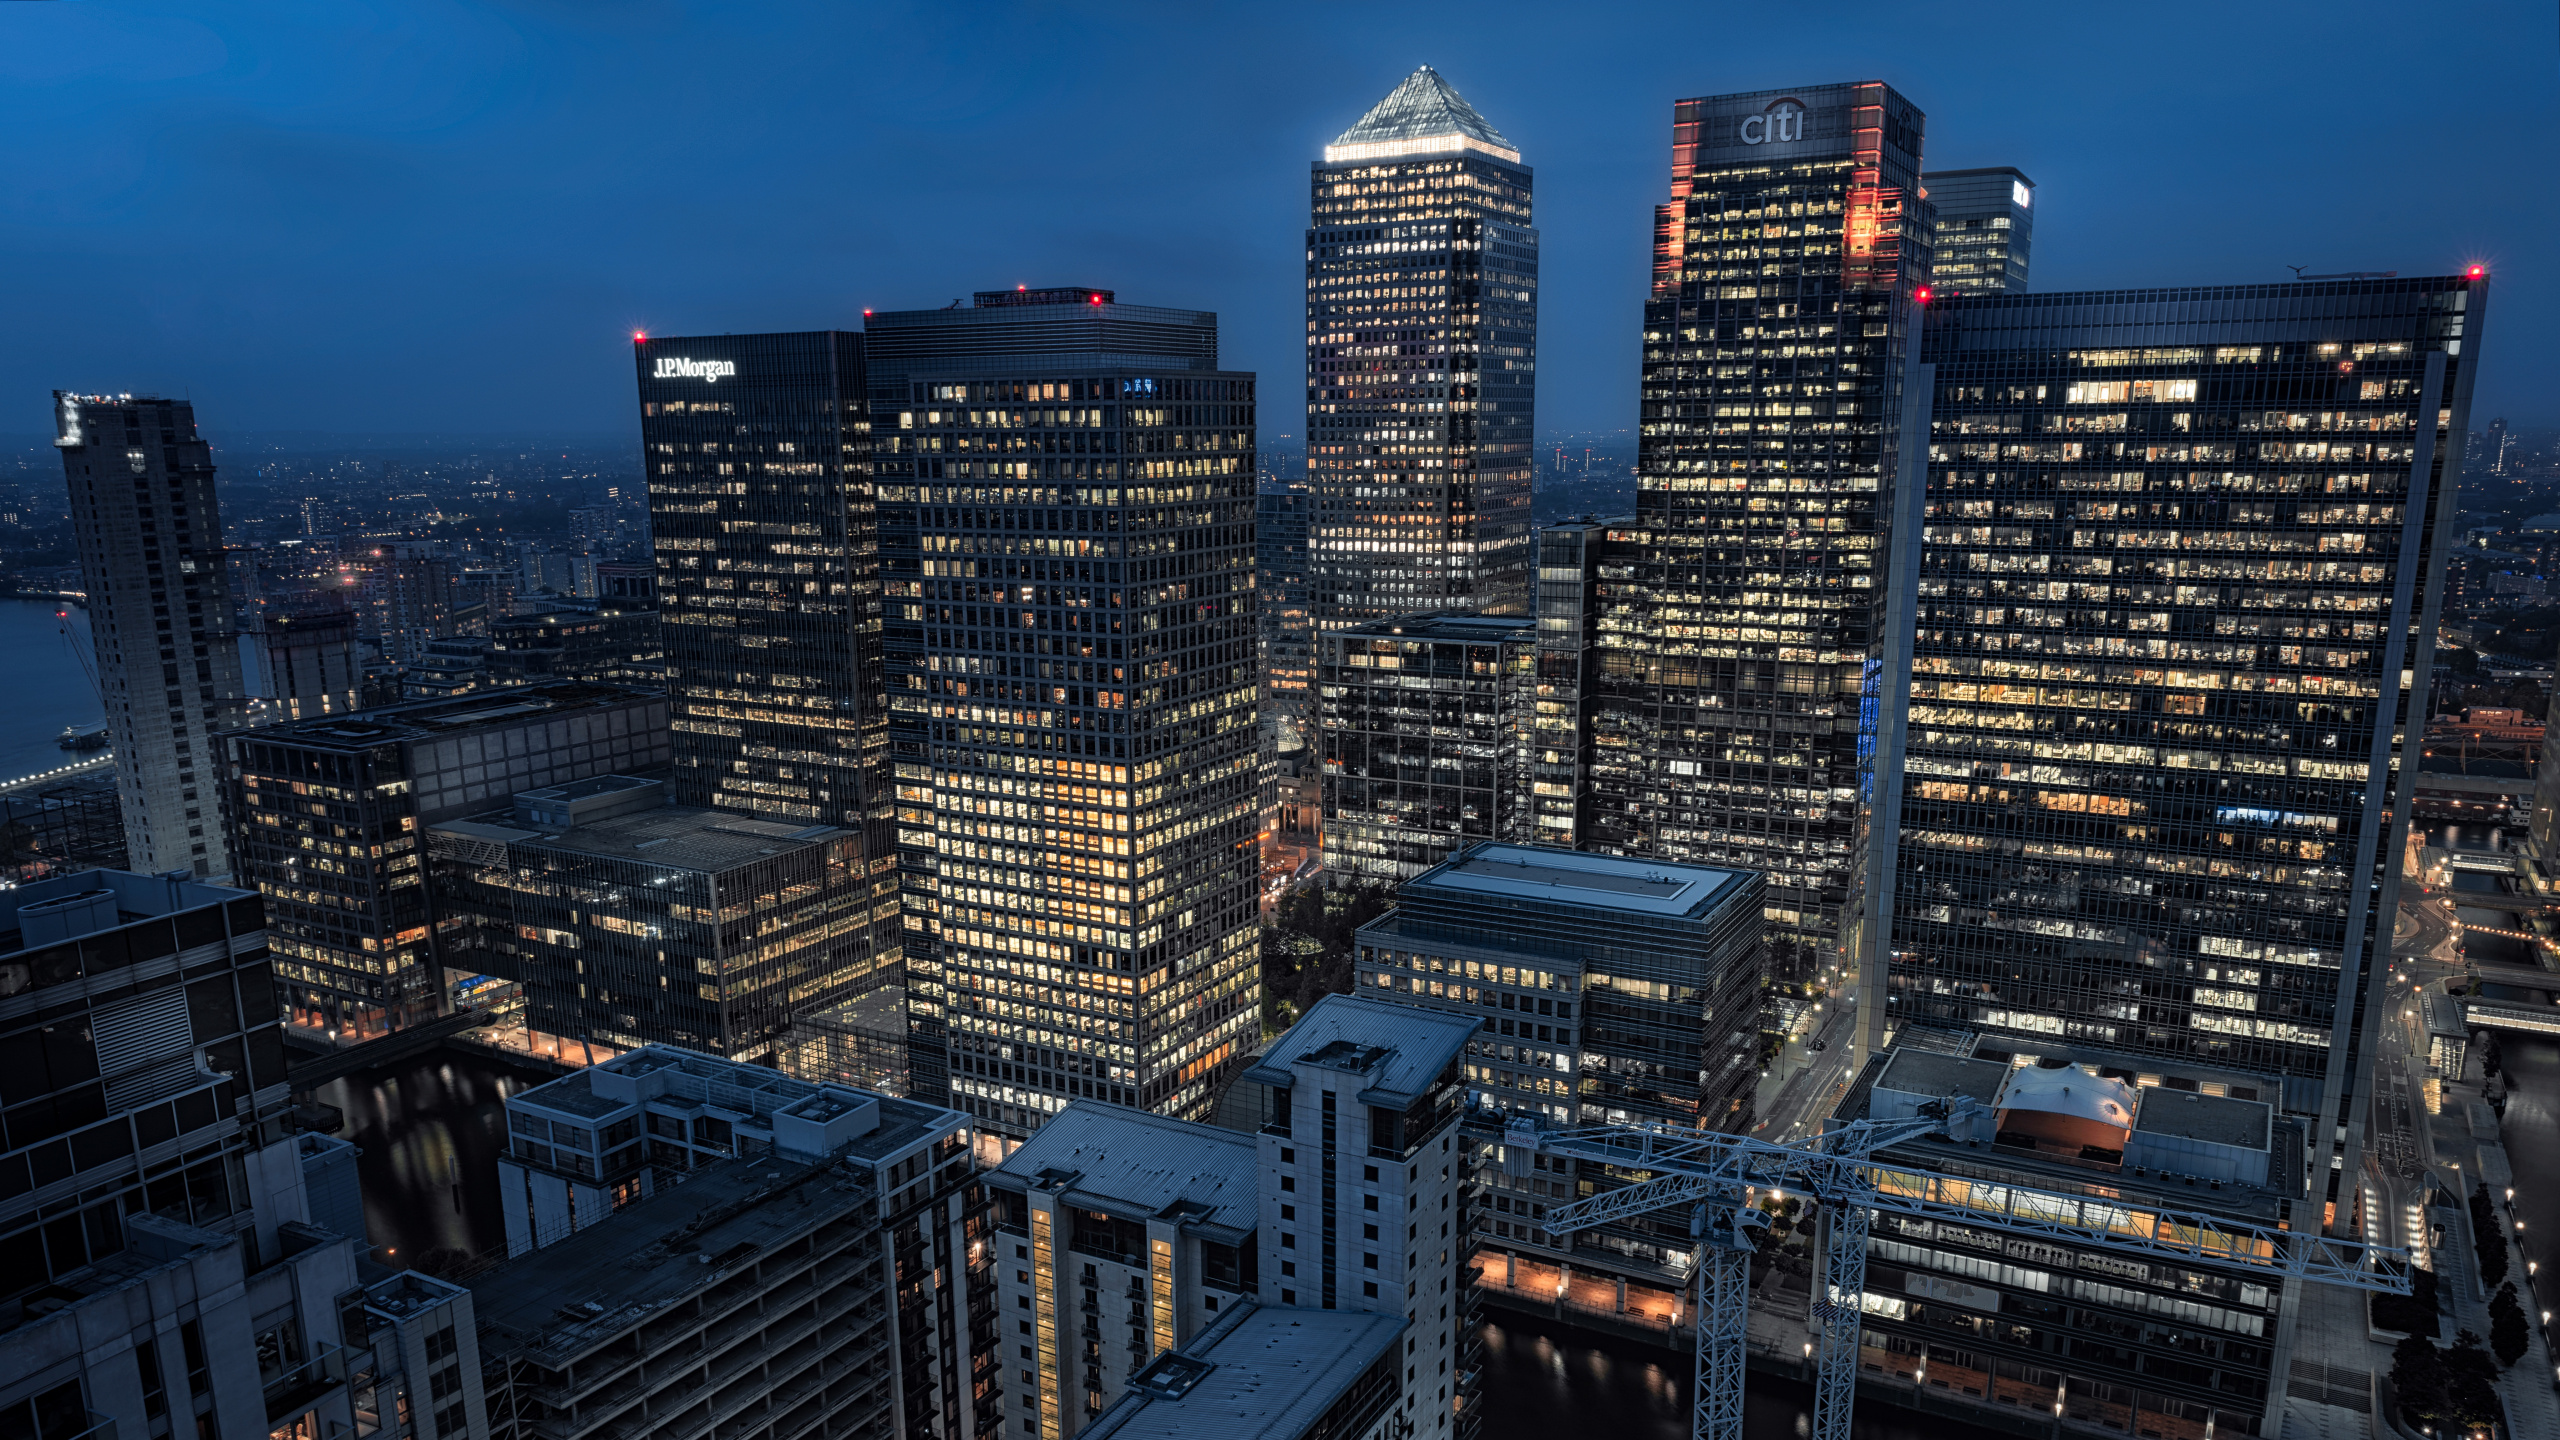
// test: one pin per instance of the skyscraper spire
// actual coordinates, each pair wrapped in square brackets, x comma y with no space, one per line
[1424,114]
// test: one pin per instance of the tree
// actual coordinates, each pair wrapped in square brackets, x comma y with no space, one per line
[1308,949]
[2421,1381]
[2416,1312]
[2491,1058]
[2488,1236]
[2509,1337]
[2472,1387]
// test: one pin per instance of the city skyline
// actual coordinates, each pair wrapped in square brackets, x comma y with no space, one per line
[1900,859]
[290,211]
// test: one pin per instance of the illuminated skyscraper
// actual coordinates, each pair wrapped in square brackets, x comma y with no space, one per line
[1986,221]
[150,536]
[1422,350]
[2177,606]
[760,508]
[1067,535]
[1738,697]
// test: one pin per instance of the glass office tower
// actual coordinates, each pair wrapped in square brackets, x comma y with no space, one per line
[1067,529]
[760,511]
[1420,729]
[2178,601]
[1986,222]
[1422,351]
[1740,693]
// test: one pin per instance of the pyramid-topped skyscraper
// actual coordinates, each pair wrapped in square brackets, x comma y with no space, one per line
[1422,347]
[1424,115]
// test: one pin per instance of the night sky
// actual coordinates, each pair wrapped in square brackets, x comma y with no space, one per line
[449,217]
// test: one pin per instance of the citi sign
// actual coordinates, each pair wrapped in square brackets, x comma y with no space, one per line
[673,368]
[1783,121]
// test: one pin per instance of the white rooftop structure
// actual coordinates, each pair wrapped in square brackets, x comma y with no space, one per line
[1613,882]
[2069,1090]
[1423,116]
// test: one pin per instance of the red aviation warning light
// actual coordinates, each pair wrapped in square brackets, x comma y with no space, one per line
[1921,294]
[639,337]
[1097,299]
[2475,272]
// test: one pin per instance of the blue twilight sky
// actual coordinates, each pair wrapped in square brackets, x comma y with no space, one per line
[440,215]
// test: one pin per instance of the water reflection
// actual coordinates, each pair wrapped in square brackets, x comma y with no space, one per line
[431,1130]
[1543,1379]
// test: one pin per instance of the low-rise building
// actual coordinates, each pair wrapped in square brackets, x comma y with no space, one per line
[1121,1235]
[632,922]
[757,1300]
[330,811]
[589,1146]
[1611,991]
[612,645]
[2013,1322]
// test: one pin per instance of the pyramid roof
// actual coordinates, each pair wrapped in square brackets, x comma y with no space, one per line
[1426,108]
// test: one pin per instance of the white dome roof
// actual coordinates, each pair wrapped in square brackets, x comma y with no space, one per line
[2070,1090]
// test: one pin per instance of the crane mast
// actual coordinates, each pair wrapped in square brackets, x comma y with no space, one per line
[1715,1177]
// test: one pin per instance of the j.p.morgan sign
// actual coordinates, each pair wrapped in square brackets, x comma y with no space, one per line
[671,367]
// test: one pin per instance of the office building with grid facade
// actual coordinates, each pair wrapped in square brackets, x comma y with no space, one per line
[2178,602]
[1422,349]
[1067,534]
[761,513]
[1986,222]
[1419,735]
[1741,693]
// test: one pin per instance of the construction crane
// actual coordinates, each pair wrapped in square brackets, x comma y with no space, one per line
[1715,1176]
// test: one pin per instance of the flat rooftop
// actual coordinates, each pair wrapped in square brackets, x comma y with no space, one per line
[452,715]
[2215,1119]
[678,837]
[113,899]
[1606,882]
[1398,1051]
[1472,629]
[739,1089]
[1926,1072]
[1135,1164]
[1270,1376]
[570,1297]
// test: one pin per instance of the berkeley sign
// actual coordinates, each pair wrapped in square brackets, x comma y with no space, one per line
[673,368]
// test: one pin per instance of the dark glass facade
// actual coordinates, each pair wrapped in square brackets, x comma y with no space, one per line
[142,1062]
[1283,610]
[1986,224]
[1420,726]
[1422,348]
[1068,540]
[1578,563]
[758,450]
[330,812]
[1740,693]
[651,923]
[2177,604]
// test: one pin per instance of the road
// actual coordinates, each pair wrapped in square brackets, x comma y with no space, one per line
[1810,1078]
